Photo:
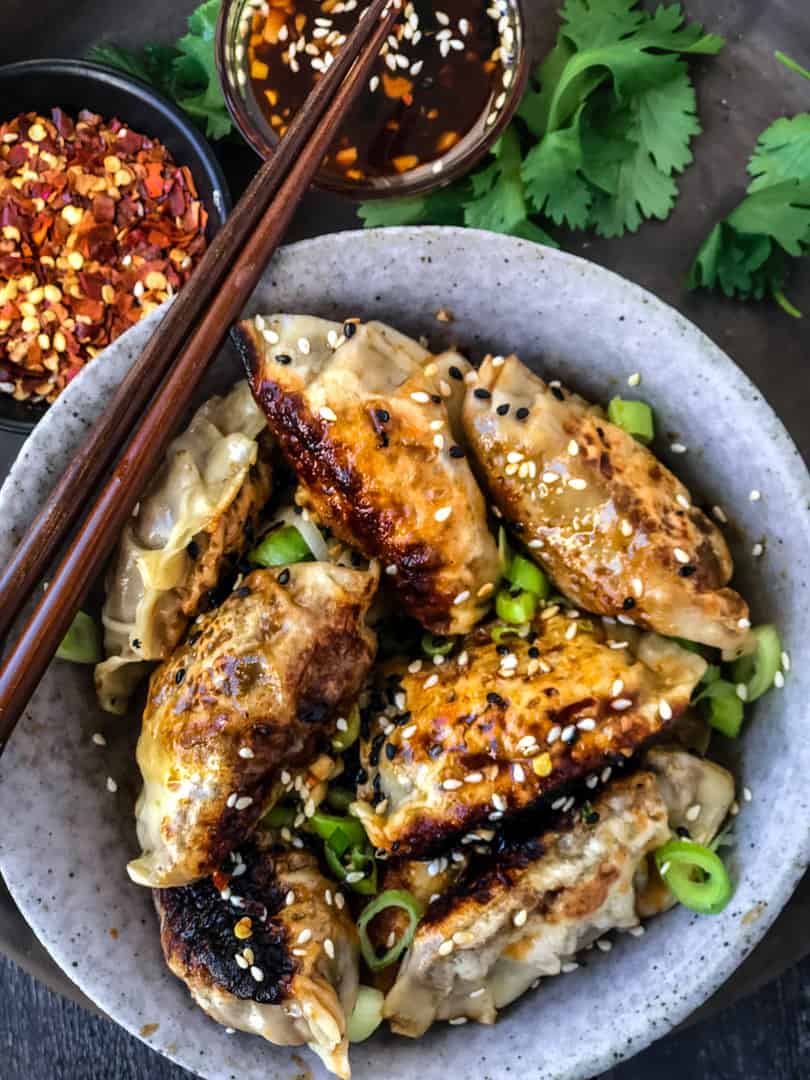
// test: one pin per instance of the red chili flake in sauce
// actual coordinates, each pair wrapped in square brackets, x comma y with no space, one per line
[98,226]
[445,68]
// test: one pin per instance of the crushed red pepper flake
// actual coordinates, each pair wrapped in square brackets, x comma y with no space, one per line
[98,226]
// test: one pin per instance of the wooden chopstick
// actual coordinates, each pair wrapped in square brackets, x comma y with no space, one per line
[50,528]
[30,655]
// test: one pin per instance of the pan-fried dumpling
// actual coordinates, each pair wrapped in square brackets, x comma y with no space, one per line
[252,696]
[617,532]
[267,947]
[366,422]
[497,729]
[201,507]
[528,912]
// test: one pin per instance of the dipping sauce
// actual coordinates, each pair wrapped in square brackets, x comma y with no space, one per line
[98,226]
[444,71]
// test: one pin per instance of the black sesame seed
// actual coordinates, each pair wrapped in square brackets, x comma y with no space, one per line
[687,571]
[481,392]
[434,751]
[136,643]
[534,652]
[502,410]
[179,675]
[283,577]
[456,452]
[390,751]
[502,650]
[558,394]
[243,591]
[362,776]
[496,699]
[436,399]
[298,510]
[374,753]
[628,603]
[522,413]
[192,640]
[193,549]
[402,719]
[349,329]
[454,373]
[383,415]
[683,832]
[282,358]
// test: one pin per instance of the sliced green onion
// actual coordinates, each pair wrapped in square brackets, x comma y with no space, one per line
[280,547]
[390,898]
[515,606]
[434,645]
[504,551]
[340,799]
[280,817]
[695,875]
[724,708]
[634,417]
[758,670]
[523,574]
[338,833]
[499,632]
[342,740]
[366,1015]
[359,862]
[82,643]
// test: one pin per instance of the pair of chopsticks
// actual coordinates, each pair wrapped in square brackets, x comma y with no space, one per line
[158,388]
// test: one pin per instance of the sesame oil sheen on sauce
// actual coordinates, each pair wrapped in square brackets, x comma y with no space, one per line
[443,71]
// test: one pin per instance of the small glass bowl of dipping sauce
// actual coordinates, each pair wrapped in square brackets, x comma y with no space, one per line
[446,84]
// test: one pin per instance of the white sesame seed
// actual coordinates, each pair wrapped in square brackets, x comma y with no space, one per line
[566,969]
[473,778]
[420,397]
[408,731]
[462,659]
[550,477]
[618,644]
[443,514]
[604,945]
[438,659]
[621,703]
[285,777]
[99,739]
[112,787]
[477,993]
[353,877]
[744,624]
[678,448]
[257,973]
[742,691]
[245,752]
[243,802]
[626,528]
[680,555]
[304,346]
[625,620]
[520,917]
[634,379]
[415,667]
[241,961]
[326,413]
[329,948]
[498,802]
[342,724]
[573,448]
[617,688]
[588,724]
[340,901]
[304,937]
[289,899]
[451,785]
[720,514]
[462,596]
[558,804]
[693,813]
[664,710]
[568,733]
[571,632]
[554,734]
[786,661]
[431,680]
[518,773]
[747,796]
[636,931]
[638,586]
[577,483]
[755,495]
[757,550]
[445,948]
[391,569]
[607,772]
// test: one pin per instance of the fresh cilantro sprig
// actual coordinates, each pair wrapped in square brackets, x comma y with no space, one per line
[186,72]
[748,253]
[599,137]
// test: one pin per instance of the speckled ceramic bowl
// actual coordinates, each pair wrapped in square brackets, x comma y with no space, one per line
[66,838]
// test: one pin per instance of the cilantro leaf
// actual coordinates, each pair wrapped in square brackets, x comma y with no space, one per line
[442,207]
[555,184]
[792,65]
[131,63]
[782,153]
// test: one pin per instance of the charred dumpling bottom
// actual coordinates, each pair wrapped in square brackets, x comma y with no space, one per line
[265,945]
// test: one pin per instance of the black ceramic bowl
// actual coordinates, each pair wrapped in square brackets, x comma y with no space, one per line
[40,85]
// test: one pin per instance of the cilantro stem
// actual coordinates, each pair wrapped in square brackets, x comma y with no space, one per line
[786,305]
[783,58]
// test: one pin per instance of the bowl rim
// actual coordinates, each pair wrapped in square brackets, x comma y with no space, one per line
[140,90]
[658,1018]
[264,141]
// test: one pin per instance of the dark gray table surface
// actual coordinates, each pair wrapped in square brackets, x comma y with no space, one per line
[767,1035]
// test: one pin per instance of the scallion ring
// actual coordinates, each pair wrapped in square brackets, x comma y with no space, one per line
[524,574]
[634,417]
[390,898]
[515,606]
[342,740]
[338,833]
[758,670]
[360,861]
[695,875]
[724,709]
[501,631]
[366,1015]
[281,547]
[434,645]
[82,643]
